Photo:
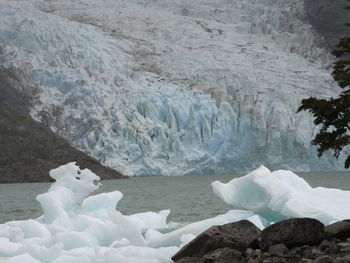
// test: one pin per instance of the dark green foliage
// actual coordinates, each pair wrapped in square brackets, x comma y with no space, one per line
[333,115]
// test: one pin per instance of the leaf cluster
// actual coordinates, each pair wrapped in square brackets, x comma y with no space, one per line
[333,115]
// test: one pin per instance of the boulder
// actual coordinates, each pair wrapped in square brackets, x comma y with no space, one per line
[323,259]
[238,236]
[253,255]
[223,255]
[278,250]
[339,230]
[293,232]
[325,244]
[189,260]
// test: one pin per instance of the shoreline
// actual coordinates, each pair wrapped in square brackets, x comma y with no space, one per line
[288,241]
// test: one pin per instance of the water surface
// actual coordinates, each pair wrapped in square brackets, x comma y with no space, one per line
[189,198]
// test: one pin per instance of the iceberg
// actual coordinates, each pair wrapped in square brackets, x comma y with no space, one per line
[282,194]
[78,226]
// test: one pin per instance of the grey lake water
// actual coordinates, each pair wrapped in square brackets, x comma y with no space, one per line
[189,198]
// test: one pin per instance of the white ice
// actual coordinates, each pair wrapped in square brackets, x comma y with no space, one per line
[282,194]
[80,227]
[172,87]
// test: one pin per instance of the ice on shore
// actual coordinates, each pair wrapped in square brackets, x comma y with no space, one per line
[80,227]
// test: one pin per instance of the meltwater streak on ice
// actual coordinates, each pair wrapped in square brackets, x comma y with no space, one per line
[77,227]
[172,87]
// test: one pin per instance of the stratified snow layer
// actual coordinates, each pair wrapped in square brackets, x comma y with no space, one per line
[172,87]
[77,227]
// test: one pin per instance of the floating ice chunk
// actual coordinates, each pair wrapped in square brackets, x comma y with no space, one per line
[78,228]
[41,251]
[30,228]
[132,254]
[63,199]
[156,239]
[127,228]
[153,220]
[120,243]
[97,205]
[75,239]
[23,258]
[70,176]
[14,234]
[8,248]
[104,231]
[71,259]
[282,194]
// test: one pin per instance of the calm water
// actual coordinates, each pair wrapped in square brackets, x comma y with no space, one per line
[190,198]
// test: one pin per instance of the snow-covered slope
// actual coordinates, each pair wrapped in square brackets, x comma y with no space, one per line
[172,87]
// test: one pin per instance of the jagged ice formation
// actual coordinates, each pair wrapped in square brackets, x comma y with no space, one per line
[172,87]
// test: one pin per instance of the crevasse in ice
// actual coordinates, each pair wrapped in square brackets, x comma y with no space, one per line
[172,87]
[80,227]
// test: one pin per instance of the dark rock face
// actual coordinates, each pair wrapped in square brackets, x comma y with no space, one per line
[28,149]
[293,232]
[328,18]
[237,236]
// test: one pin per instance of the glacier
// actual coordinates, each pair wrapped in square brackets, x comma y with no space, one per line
[79,226]
[173,87]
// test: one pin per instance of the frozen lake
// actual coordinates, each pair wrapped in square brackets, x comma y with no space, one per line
[190,198]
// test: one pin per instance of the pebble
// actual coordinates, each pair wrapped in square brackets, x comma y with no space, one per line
[323,259]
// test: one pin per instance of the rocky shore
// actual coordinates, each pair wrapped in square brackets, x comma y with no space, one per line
[293,240]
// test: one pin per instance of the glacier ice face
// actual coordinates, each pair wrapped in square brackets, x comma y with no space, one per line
[172,87]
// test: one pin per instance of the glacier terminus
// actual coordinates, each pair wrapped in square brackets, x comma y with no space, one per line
[173,87]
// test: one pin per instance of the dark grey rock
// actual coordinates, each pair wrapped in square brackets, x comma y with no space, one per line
[238,235]
[324,245]
[345,249]
[346,258]
[253,255]
[189,260]
[29,149]
[278,250]
[323,259]
[343,244]
[293,232]
[223,255]
[333,246]
[313,253]
[328,18]
[339,229]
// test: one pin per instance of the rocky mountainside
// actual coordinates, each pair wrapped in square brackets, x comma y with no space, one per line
[328,17]
[173,87]
[29,149]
